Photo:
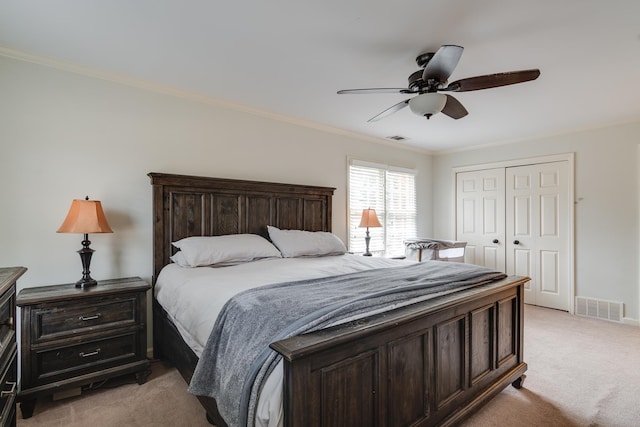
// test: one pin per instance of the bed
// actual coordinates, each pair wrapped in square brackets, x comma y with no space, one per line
[429,363]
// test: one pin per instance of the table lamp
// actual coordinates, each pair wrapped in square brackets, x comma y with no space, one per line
[369,219]
[84,217]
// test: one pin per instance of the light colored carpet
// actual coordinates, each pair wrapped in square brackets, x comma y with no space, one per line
[162,401]
[582,372]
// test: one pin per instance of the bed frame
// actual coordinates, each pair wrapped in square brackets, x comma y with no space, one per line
[428,364]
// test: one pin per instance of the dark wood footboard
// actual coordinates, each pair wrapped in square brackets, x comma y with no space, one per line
[425,365]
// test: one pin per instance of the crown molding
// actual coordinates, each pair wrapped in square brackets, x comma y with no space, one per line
[193,96]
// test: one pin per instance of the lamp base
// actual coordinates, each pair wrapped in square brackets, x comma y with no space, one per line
[85,256]
[367,238]
[86,283]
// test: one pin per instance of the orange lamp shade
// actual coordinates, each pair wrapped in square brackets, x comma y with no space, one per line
[369,218]
[85,217]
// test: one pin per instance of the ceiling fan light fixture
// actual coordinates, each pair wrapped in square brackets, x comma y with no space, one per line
[427,104]
[433,77]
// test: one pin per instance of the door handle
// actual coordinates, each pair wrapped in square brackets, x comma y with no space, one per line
[496,241]
[516,242]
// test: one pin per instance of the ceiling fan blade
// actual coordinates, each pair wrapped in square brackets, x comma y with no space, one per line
[443,63]
[375,90]
[399,106]
[492,80]
[454,109]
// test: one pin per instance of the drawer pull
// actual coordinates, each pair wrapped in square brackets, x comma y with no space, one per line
[86,318]
[9,393]
[93,353]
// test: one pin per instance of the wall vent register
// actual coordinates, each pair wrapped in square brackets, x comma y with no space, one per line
[600,309]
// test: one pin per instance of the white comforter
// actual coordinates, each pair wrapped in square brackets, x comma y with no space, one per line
[193,297]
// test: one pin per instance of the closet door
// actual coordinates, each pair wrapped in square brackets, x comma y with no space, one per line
[537,223]
[480,216]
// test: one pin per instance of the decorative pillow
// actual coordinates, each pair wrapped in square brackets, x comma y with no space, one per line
[296,243]
[201,251]
[179,259]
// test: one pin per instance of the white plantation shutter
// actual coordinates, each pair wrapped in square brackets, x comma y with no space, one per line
[392,193]
[366,190]
[400,220]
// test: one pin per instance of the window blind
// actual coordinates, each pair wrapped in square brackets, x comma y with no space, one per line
[392,193]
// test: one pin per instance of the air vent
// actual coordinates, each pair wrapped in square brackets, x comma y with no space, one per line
[600,309]
[397,138]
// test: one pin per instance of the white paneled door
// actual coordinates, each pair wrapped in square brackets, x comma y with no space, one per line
[516,219]
[537,231]
[480,220]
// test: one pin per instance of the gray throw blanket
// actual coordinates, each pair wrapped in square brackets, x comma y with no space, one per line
[237,358]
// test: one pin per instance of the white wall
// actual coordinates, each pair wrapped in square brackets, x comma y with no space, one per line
[65,135]
[606,213]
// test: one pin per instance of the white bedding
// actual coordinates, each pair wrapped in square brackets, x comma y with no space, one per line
[193,297]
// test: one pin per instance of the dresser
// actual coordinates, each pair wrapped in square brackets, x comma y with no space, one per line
[8,347]
[73,337]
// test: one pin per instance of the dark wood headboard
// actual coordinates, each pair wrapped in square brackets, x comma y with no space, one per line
[185,206]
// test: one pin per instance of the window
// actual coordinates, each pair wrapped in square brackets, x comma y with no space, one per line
[392,193]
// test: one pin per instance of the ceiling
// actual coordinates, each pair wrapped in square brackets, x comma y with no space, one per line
[289,57]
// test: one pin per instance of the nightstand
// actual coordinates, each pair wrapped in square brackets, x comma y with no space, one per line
[73,337]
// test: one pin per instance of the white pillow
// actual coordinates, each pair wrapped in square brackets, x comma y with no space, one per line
[228,249]
[179,259]
[295,243]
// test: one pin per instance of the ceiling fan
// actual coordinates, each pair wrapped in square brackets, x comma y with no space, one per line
[433,78]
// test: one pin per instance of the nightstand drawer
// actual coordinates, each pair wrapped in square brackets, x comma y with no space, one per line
[8,391]
[9,350]
[84,357]
[73,319]
[6,310]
